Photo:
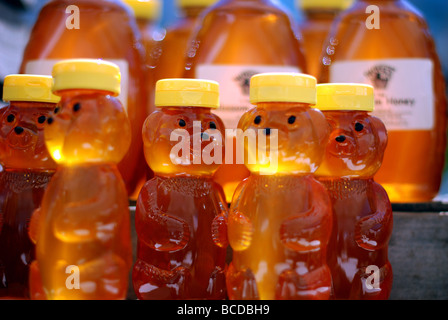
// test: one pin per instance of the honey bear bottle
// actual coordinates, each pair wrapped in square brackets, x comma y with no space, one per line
[319,15]
[358,249]
[27,169]
[181,213]
[83,246]
[391,48]
[97,29]
[280,219]
[237,39]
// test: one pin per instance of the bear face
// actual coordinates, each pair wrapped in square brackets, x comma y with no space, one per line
[356,145]
[22,144]
[88,128]
[184,141]
[300,132]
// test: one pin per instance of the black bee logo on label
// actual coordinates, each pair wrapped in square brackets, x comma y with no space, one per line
[380,76]
[243,80]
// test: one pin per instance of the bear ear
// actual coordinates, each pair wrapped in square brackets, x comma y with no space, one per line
[321,125]
[151,126]
[380,132]
[245,120]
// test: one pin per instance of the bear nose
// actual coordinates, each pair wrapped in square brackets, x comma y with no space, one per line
[18,130]
[340,138]
[267,131]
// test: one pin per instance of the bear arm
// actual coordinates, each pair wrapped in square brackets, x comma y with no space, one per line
[240,229]
[156,229]
[309,230]
[374,231]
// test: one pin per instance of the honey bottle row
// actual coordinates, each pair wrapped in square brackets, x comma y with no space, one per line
[281,220]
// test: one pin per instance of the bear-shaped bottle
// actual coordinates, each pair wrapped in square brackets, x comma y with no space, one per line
[83,245]
[358,249]
[280,218]
[97,29]
[27,169]
[181,213]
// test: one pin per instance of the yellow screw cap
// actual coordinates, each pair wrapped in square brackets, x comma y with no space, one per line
[86,74]
[196,3]
[26,87]
[145,9]
[187,93]
[325,4]
[283,87]
[345,97]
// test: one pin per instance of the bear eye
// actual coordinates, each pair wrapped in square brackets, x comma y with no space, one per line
[76,107]
[257,120]
[41,119]
[182,123]
[56,110]
[359,126]
[212,125]
[291,119]
[10,118]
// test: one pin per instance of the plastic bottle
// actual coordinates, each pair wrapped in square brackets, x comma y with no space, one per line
[237,39]
[84,246]
[280,219]
[171,62]
[181,213]
[147,13]
[390,47]
[358,249]
[318,17]
[97,29]
[27,169]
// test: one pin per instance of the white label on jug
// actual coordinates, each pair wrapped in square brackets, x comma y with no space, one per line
[234,81]
[45,67]
[404,89]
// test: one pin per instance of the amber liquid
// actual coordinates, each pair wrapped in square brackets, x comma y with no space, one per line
[107,31]
[243,32]
[21,193]
[356,200]
[314,30]
[265,222]
[414,159]
[362,212]
[27,169]
[84,222]
[177,257]
[170,55]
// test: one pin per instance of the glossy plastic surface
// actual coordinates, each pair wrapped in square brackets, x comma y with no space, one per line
[172,50]
[83,227]
[314,30]
[279,223]
[108,31]
[363,217]
[181,214]
[413,160]
[243,32]
[27,169]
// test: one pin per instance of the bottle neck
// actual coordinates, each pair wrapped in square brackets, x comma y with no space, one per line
[282,105]
[192,11]
[321,13]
